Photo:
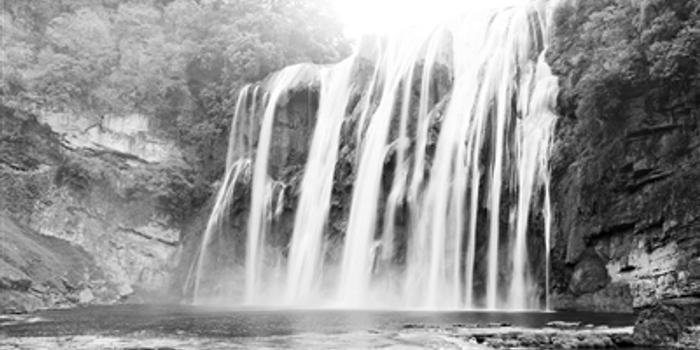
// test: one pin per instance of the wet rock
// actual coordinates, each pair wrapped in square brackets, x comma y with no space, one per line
[661,325]
[500,343]
[582,341]
[565,341]
[498,324]
[564,325]
[516,338]
[464,325]
[622,340]
[534,339]
[414,326]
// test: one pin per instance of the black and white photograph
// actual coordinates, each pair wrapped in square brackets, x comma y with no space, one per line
[349,174]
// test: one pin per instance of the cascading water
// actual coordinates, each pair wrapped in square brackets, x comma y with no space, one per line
[305,260]
[237,164]
[262,186]
[356,267]
[466,155]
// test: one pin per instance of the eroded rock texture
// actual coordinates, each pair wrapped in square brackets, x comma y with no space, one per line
[83,224]
[627,155]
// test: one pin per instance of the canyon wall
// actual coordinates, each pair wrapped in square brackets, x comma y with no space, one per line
[626,160]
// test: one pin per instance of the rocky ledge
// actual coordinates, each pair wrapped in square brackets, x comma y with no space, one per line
[570,335]
[555,335]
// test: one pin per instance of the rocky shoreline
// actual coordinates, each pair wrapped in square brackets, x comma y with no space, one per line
[564,335]
[555,335]
[668,326]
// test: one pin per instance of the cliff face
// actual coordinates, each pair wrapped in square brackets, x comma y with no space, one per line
[84,221]
[627,157]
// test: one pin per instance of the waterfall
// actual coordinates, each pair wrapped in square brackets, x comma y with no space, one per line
[262,186]
[312,210]
[451,127]
[534,132]
[355,269]
[237,164]
[415,263]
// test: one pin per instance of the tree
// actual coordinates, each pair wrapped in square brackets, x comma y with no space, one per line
[179,61]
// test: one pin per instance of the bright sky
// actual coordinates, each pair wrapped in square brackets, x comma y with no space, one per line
[383,16]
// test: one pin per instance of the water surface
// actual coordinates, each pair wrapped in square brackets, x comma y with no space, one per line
[164,320]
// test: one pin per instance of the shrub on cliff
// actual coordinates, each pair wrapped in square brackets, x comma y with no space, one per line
[181,193]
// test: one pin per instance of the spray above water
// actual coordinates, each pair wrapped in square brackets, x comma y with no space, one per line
[451,128]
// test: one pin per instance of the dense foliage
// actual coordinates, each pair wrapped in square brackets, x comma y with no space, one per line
[625,48]
[179,61]
[626,65]
[630,79]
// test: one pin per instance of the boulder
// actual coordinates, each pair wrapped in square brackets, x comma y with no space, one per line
[666,323]
[659,325]
[564,325]
[589,275]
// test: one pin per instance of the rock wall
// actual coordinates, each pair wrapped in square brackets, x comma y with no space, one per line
[117,215]
[627,157]
[38,271]
[130,134]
